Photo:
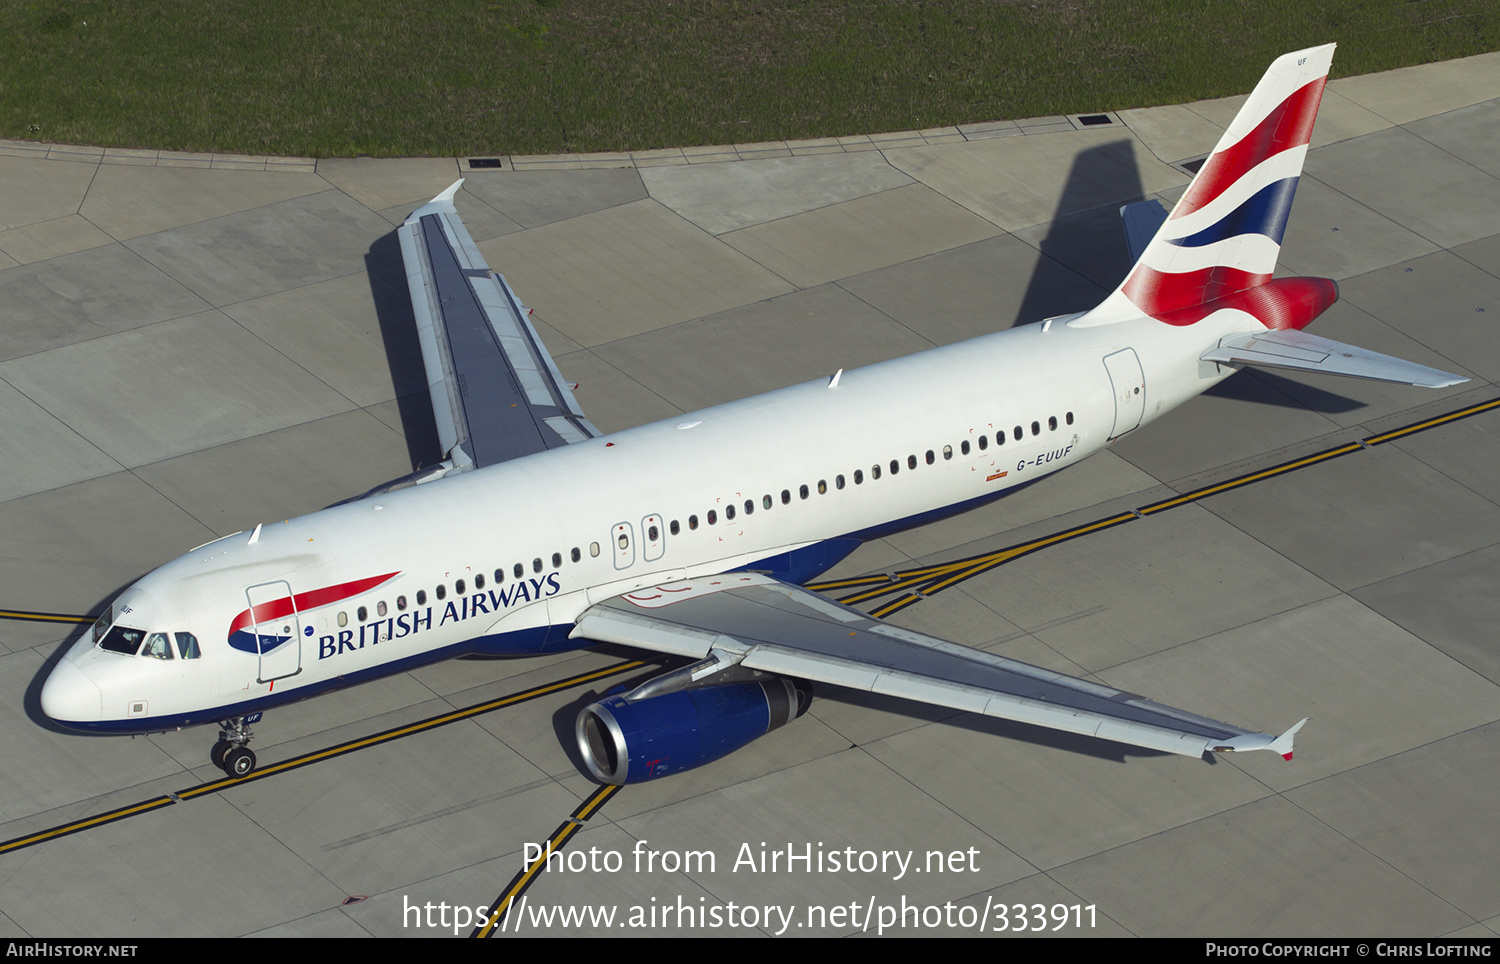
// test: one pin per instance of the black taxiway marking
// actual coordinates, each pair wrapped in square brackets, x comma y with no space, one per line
[31,617]
[317,756]
[527,875]
[920,583]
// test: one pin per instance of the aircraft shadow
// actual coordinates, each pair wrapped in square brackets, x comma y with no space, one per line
[1268,388]
[1085,237]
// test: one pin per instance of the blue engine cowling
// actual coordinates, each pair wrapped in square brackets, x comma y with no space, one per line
[625,741]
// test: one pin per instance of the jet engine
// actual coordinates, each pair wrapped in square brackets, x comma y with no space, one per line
[656,730]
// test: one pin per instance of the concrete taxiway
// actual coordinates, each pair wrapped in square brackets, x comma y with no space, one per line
[194,344]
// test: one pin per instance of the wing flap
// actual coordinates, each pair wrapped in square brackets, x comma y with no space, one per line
[496,392]
[1299,351]
[779,628]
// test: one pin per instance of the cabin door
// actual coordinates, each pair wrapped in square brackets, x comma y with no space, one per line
[278,630]
[1129,384]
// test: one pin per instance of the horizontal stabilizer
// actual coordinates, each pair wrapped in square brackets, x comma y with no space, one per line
[1300,351]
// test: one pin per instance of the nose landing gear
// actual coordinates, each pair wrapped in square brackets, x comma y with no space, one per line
[231,753]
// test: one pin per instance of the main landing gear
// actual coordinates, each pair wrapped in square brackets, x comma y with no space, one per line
[231,753]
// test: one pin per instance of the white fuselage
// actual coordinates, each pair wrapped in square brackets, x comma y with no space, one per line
[678,498]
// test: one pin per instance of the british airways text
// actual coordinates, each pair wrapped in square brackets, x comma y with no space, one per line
[489,602]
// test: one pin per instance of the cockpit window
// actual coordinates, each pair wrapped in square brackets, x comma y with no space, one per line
[157,646]
[122,639]
[187,644]
[101,625]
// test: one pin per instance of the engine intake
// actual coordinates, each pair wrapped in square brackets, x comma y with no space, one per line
[625,740]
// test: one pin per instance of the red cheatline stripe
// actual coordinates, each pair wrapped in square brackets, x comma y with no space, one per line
[312,599]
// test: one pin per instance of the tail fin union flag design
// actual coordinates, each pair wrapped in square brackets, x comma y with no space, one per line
[1218,248]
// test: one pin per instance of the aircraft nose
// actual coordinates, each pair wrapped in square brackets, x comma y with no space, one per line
[70,696]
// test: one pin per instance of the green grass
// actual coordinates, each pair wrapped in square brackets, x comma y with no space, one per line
[382,77]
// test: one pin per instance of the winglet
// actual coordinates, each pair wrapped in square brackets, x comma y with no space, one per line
[1260,741]
[1283,743]
[442,203]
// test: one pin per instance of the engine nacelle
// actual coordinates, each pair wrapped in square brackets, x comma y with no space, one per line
[627,741]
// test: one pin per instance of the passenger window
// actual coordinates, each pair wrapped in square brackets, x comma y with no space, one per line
[519,570]
[1000,437]
[401,603]
[874,472]
[765,502]
[380,608]
[499,576]
[478,584]
[947,452]
[984,442]
[713,517]
[187,645]
[930,458]
[692,522]
[749,506]
[822,486]
[594,549]
[802,491]
[653,533]
[421,601]
[895,466]
[911,461]
[1052,422]
[362,613]
[963,448]
[157,646]
[1070,418]
[442,591]
[1036,428]
[458,587]
[579,555]
[536,564]
[1018,433]
[557,556]
[729,511]
[344,617]
[838,482]
[859,477]
[786,497]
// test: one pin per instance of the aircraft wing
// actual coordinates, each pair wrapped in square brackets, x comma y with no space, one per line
[762,623]
[1299,351]
[496,393]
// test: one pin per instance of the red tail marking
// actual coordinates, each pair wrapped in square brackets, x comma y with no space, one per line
[1289,125]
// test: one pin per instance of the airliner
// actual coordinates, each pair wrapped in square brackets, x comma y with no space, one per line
[695,536]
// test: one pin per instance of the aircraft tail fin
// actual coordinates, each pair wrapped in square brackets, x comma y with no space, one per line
[1224,235]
